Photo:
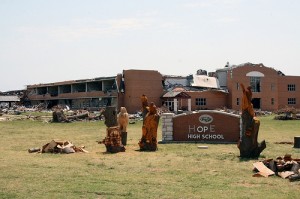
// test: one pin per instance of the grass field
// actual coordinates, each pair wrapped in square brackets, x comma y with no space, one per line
[174,171]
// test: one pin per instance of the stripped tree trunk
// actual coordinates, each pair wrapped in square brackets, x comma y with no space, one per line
[248,145]
[110,115]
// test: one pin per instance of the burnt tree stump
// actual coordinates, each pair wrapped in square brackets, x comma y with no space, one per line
[110,115]
[248,145]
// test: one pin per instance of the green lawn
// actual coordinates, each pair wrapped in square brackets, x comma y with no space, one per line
[174,171]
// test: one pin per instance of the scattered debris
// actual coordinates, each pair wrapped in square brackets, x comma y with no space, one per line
[202,147]
[284,142]
[285,167]
[262,169]
[57,146]
[33,150]
[287,113]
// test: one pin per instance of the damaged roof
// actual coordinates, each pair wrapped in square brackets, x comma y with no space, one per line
[205,81]
[11,98]
[71,82]
[177,94]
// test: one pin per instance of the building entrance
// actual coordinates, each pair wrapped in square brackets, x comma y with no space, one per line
[170,105]
[256,103]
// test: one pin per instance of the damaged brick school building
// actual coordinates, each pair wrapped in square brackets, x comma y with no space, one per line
[272,90]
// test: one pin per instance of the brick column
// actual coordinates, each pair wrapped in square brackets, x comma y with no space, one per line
[167,126]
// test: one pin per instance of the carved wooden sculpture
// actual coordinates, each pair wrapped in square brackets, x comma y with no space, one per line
[248,145]
[148,141]
[123,120]
[113,140]
[145,107]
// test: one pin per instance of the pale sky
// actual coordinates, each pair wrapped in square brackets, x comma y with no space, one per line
[44,41]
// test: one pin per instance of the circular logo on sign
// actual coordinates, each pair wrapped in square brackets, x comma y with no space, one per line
[206,119]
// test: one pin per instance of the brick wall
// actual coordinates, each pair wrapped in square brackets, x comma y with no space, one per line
[267,91]
[139,82]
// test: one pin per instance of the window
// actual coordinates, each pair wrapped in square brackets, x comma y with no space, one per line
[291,87]
[237,86]
[237,101]
[291,100]
[272,101]
[272,86]
[200,101]
[170,104]
[255,84]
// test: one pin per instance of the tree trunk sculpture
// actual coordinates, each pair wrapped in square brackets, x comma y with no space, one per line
[145,107]
[248,145]
[110,115]
[148,141]
[123,120]
[112,141]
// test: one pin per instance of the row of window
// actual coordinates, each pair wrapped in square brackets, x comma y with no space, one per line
[290,101]
[202,101]
[255,84]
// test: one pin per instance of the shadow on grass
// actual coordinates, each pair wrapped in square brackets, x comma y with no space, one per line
[242,159]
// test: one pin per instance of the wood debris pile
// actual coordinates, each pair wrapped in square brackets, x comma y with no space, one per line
[59,115]
[57,146]
[285,167]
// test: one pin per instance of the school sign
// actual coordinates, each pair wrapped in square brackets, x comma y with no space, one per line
[204,126]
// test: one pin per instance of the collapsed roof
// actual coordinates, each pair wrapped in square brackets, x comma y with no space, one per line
[205,81]
[11,98]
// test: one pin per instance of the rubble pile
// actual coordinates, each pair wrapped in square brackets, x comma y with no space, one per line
[287,113]
[60,115]
[58,146]
[285,167]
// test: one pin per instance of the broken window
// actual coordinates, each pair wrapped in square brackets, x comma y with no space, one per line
[42,90]
[255,84]
[65,88]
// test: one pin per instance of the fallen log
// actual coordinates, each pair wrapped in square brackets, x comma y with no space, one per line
[79,116]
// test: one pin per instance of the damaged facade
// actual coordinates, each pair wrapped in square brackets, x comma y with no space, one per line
[272,90]
[77,94]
